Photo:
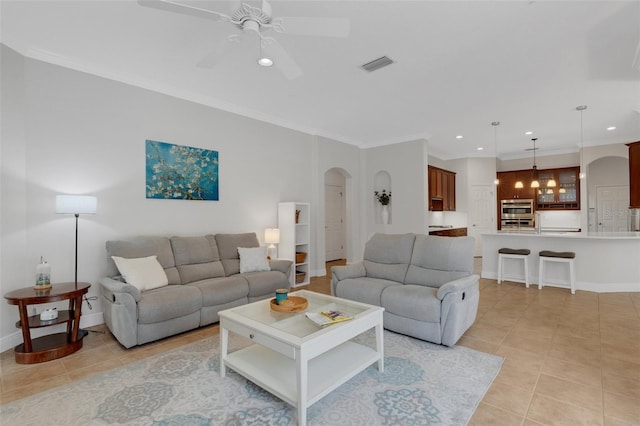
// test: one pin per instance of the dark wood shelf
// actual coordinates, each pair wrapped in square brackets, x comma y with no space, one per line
[36,322]
[47,348]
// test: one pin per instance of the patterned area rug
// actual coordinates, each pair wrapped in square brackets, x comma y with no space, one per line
[422,384]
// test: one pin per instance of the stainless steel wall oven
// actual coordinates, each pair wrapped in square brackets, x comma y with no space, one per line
[516,214]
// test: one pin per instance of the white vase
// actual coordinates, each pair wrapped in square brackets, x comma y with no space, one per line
[385,215]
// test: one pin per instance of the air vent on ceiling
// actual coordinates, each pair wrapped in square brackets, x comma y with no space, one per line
[376,64]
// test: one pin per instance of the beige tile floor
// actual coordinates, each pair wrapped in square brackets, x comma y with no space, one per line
[569,359]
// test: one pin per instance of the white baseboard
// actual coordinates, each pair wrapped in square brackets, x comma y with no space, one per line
[14,339]
[580,285]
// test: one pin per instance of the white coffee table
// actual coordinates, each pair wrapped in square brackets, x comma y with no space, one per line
[295,359]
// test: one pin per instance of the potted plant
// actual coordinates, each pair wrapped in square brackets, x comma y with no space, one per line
[384,198]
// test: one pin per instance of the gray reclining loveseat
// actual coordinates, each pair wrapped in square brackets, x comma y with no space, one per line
[203,276]
[425,283]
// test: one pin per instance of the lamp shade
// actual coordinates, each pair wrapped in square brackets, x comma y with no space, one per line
[272,235]
[76,204]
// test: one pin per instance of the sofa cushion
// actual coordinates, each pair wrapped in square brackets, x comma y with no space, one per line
[228,248]
[196,258]
[365,290]
[165,303]
[438,260]
[143,247]
[412,301]
[144,273]
[387,256]
[218,291]
[253,259]
[265,283]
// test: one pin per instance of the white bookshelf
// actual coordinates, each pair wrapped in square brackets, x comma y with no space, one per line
[295,237]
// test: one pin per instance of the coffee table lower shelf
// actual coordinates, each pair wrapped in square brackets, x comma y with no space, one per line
[276,373]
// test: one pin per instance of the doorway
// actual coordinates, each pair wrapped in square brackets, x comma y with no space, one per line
[334,215]
[612,208]
[482,210]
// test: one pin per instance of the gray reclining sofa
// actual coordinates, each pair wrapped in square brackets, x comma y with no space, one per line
[425,283]
[204,278]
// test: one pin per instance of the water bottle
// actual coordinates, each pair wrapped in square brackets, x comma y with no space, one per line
[43,274]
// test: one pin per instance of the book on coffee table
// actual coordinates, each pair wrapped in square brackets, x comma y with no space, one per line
[325,318]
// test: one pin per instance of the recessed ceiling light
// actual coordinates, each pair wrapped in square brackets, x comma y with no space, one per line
[480,148]
[459,137]
[528,133]
[611,128]
[265,62]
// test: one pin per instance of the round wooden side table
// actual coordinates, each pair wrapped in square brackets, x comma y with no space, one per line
[53,346]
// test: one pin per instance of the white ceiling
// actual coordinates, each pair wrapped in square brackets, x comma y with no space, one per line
[459,66]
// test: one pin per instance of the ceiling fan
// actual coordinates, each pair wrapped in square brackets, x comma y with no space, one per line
[253,22]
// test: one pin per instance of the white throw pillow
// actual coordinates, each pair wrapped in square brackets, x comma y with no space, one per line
[144,273]
[253,259]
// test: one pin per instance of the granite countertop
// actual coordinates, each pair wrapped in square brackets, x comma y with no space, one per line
[444,227]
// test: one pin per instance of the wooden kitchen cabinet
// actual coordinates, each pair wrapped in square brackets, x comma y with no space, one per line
[566,194]
[507,186]
[435,182]
[449,191]
[442,189]
[634,174]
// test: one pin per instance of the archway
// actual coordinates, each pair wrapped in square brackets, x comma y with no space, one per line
[608,193]
[335,214]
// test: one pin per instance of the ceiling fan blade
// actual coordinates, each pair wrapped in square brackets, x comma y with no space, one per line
[320,27]
[171,6]
[281,59]
[266,8]
[220,51]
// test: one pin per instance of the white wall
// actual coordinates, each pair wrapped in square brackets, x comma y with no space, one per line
[406,164]
[82,134]
[14,272]
[542,162]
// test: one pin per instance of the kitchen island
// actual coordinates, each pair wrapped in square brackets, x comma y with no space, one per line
[605,261]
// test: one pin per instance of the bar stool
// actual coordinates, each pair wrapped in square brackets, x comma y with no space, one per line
[558,257]
[508,253]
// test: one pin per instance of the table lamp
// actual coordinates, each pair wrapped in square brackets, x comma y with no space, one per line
[272,237]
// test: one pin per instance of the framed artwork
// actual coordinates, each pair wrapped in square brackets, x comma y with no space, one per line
[177,172]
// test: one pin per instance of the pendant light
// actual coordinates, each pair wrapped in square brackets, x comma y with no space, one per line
[535,183]
[519,184]
[583,171]
[495,125]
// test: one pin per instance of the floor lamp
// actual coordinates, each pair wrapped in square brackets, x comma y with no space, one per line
[76,205]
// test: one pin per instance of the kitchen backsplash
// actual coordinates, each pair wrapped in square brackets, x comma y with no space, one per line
[559,219]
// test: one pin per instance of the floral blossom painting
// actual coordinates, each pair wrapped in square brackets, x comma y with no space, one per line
[176,172]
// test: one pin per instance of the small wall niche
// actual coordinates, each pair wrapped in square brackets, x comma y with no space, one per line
[382,182]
